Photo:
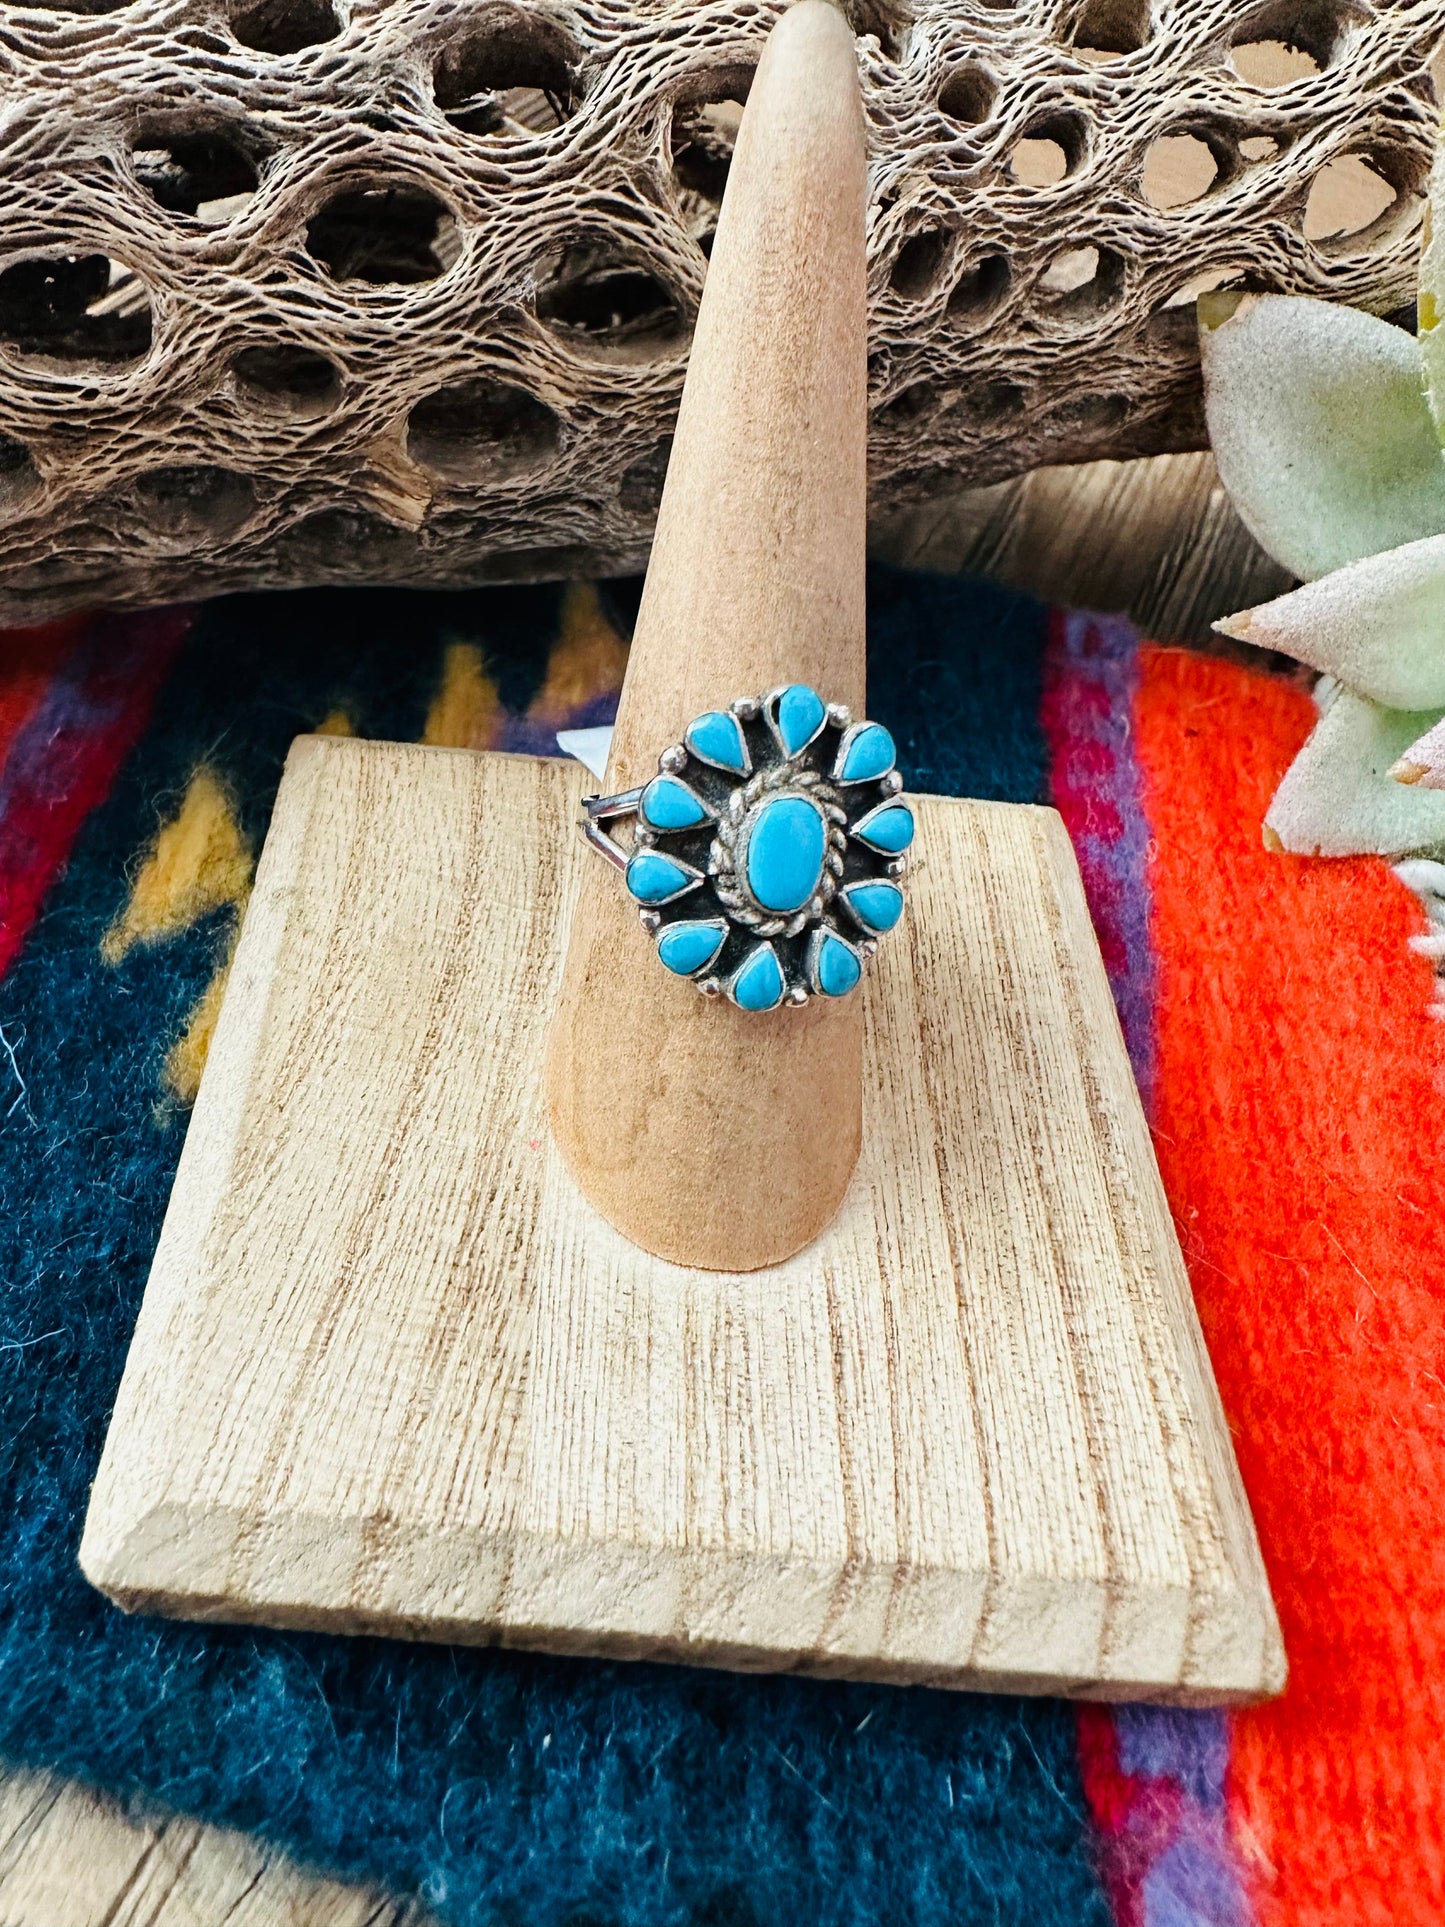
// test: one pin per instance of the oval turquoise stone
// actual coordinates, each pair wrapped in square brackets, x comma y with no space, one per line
[877,906]
[687,948]
[785,851]
[801,713]
[759,984]
[867,755]
[837,967]
[653,878]
[718,739]
[889,830]
[669,805]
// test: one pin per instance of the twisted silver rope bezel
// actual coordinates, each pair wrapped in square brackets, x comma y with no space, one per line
[723,853]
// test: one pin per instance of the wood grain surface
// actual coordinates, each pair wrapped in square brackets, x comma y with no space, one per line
[710,1135]
[73,1858]
[394,1374]
[1157,540]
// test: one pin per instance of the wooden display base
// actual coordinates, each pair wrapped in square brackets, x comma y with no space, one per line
[392,1374]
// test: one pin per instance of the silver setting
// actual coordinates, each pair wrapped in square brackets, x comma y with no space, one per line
[815,956]
[727,859]
[673,775]
[749,957]
[685,749]
[694,880]
[597,810]
[655,927]
[870,933]
[769,706]
[861,825]
[850,736]
[713,855]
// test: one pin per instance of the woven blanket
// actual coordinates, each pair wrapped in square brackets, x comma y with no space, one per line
[1276,1020]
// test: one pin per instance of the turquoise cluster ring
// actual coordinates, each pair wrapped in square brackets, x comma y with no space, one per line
[768,854]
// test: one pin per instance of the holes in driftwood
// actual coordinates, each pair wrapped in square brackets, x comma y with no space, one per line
[481,430]
[1104,29]
[1198,284]
[390,235]
[1271,63]
[885,20]
[81,308]
[347,542]
[704,134]
[1288,40]
[919,262]
[1259,147]
[1178,169]
[991,404]
[507,72]
[287,380]
[910,405]
[1173,325]
[1087,415]
[1069,271]
[19,477]
[1348,197]
[1081,282]
[640,489]
[1050,150]
[980,290]
[194,500]
[203,174]
[704,131]
[968,95]
[283,26]
[609,307]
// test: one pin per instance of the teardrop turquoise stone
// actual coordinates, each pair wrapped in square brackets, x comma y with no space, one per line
[869,755]
[759,984]
[785,846]
[801,713]
[687,948]
[717,738]
[653,878]
[837,968]
[669,805]
[890,830]
[877,906]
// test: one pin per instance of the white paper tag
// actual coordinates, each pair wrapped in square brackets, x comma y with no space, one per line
[590,747]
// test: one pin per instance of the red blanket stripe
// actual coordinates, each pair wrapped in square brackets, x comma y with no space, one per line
[1301,1125]
[71,722]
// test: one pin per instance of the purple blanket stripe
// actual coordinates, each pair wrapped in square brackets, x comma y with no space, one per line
[1186,1874]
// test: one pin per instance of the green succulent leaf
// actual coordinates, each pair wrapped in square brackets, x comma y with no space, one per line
[1378,625]
[1321,429]
[1337,797]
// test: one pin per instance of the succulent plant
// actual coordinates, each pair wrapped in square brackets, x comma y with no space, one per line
[1327,425]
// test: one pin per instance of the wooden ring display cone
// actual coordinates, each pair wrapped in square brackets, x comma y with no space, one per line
[395,1373]
[707,1135]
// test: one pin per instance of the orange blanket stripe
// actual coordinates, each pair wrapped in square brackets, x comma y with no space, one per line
[1300,1128]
